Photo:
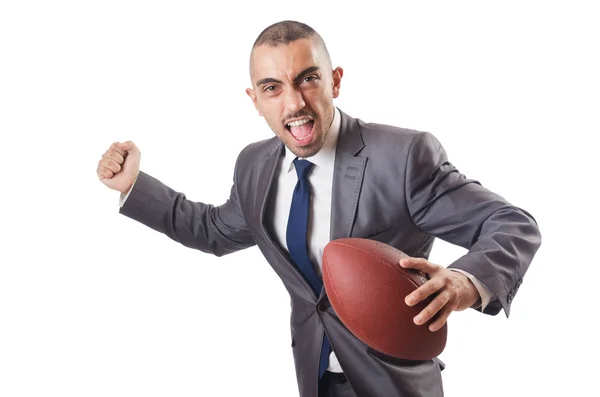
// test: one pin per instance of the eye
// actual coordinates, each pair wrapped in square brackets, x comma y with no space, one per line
[270,88]
[310,78]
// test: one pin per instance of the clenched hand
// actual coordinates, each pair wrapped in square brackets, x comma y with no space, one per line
[119,166]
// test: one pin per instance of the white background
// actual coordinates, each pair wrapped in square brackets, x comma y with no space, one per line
[95,304]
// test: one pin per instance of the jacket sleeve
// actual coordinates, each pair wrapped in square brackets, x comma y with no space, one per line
[501,239]
[217,230]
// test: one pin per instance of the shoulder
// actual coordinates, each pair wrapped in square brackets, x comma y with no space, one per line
[255,151]
[373,131]
[378,136]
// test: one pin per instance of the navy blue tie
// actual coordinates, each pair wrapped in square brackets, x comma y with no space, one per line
[298,246]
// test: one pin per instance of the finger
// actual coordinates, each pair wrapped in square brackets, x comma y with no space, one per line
[103,172]
[435,306]
[111,164]
[128,147]
[117,146]
[425,290]
[114,155]
[418,263]
[440,319]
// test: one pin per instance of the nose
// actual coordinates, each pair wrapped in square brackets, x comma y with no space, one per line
[294,101]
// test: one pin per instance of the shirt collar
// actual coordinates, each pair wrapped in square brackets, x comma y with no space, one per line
[326,155]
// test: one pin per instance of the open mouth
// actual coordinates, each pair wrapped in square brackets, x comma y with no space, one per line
[301,130]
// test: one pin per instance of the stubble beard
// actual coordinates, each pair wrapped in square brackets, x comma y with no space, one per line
[310,150]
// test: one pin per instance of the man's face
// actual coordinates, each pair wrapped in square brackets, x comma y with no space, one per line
[293,89]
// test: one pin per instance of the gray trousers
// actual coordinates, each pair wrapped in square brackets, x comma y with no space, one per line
[335,385]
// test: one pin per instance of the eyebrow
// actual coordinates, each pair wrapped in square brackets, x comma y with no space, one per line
[299,77]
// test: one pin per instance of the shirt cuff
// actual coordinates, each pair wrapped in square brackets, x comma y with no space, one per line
[123,197]
[484,292]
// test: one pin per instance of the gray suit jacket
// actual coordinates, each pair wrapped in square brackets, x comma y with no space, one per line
[390,184]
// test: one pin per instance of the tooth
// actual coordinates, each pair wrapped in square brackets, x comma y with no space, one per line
[298,122]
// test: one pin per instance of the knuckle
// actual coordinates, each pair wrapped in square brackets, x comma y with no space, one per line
[442,298]
[434,282]
[453,289]
[416,295]
[428,289]
[114,156]
[435,306]
[438,304]
[448,293]
[114,166]
[115,148]
[427,312]
[438,282]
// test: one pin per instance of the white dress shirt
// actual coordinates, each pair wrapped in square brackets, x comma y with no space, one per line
[318,233]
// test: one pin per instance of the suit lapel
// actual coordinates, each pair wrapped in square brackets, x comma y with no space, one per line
[347,178]
[265,176]
[267,167]
[266,172]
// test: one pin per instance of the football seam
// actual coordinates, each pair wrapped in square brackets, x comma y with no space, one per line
[340,302]
[401,270]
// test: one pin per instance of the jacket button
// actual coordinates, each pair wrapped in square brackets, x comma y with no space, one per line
[322,307]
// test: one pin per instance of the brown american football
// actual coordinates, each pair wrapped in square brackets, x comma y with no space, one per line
[367,287]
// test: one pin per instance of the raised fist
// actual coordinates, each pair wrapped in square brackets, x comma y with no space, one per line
[119,166]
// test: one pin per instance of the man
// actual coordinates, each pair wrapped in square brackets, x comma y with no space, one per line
[325,176]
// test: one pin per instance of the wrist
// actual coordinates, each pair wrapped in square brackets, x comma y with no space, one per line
[129,186]
[126,190]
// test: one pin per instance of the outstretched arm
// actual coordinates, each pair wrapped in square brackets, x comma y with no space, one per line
[217,230]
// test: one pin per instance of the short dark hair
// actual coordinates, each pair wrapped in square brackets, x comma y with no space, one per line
[285,32]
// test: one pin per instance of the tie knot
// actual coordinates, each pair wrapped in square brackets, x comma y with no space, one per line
[303,167]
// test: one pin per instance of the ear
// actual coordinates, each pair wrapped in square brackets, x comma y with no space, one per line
[252,96]
[337,81]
